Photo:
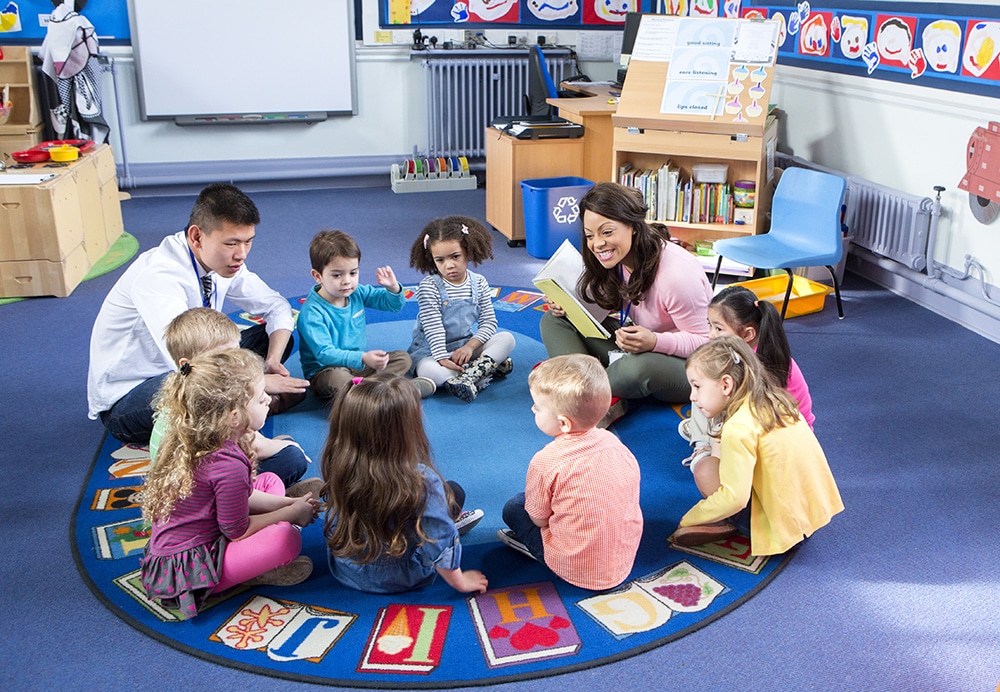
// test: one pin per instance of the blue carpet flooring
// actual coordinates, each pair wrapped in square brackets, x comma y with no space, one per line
[897,593]
[322,632]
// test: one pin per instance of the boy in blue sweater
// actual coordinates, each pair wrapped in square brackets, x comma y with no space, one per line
[332,321]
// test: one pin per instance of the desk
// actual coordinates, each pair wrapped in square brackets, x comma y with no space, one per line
[52,233]
[594,113]
[509,161]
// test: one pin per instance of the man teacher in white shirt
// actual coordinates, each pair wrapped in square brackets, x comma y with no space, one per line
[199,267]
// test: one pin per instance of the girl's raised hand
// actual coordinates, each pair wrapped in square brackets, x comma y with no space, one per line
[387,278]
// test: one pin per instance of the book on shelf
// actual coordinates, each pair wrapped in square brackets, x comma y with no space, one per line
[557,280]
[672,174]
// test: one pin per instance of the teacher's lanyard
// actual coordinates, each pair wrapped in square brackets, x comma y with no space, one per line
[206,300]
[626,304]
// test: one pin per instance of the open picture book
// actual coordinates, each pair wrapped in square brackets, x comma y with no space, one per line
[557,280]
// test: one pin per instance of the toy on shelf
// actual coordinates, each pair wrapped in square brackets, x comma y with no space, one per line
[5,105]
[428,175]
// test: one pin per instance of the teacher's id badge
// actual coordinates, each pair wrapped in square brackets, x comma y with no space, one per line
[614,355]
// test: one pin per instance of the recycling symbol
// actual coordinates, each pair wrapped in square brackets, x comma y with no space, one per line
[566,210]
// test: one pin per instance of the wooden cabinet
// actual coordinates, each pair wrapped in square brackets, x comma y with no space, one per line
[509,161]
[17,70]
[594,112]
[711,107]
[750,158]
[23,127]
[52,232]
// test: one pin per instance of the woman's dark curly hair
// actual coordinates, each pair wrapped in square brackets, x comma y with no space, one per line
[624,205]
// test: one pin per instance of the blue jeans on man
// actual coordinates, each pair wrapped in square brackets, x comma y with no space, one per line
[130,419]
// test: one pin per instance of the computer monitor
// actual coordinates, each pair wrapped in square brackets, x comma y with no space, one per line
[632,20]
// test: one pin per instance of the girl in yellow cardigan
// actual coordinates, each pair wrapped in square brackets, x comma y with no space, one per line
[771,481]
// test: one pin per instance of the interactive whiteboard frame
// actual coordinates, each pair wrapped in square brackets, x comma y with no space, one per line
[201,62]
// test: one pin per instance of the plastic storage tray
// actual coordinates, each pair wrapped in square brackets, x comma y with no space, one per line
[807,296]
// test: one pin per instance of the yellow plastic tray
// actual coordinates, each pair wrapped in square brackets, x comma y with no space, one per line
[807,296]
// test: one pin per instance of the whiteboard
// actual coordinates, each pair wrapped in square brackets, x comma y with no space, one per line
[205,57]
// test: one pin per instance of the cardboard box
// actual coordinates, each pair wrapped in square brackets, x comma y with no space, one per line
[53,232]
[25,278]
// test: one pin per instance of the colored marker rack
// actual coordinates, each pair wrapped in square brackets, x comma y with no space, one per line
[428,175]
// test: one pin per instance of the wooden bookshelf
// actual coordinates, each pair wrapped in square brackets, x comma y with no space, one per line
[725,122]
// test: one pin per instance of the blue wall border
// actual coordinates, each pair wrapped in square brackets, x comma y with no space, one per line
[924,13]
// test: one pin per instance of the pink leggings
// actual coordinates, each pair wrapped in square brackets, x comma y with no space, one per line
[273,546]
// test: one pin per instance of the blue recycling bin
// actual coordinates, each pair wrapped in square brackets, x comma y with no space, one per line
[552,213]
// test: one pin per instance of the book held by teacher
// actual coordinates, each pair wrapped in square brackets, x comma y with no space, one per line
[557,280]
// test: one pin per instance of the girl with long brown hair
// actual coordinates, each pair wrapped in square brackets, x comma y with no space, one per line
[390,523]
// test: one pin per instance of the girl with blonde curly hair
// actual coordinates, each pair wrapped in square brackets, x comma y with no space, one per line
[214,525]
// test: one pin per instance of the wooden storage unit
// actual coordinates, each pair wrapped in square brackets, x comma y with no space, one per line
[747,160]
[53,232]
[23,128]
[509,161]
[652,128]
[594,112]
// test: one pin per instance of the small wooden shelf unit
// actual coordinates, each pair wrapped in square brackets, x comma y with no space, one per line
[647,138]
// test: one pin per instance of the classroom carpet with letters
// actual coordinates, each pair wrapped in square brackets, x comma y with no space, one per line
[529,624]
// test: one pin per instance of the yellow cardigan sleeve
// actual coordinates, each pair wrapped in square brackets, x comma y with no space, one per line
[736,466]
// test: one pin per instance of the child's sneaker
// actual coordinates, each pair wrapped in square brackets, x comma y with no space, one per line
[697,455]
[425,385]
[309,485]
[467,521]
[462,388]
[690,536]
[505,368]
[618,408]
[295,572]
[684,429]
[508,538]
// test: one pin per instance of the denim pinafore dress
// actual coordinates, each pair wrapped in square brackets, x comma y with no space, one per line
[459,317]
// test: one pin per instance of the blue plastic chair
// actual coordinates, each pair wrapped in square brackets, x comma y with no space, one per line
[805,230]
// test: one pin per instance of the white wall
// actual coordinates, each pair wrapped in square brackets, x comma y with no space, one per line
[900,135]
[389,122]
[906,137]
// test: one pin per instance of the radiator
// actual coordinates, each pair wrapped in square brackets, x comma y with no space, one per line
[885,221]
[465,94]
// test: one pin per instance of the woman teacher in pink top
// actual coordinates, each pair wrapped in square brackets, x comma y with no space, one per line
[656,292]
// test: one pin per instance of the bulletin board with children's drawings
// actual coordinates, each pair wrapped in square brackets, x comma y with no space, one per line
[486,14]
[22,22]
[939,45]
[944,45]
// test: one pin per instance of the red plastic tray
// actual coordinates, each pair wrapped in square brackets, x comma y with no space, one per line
[81,144]
[30,156]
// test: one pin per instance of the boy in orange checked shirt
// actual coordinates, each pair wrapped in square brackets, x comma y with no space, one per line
[579,513]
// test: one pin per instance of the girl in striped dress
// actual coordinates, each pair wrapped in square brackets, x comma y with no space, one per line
[214,525]
[456,343]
